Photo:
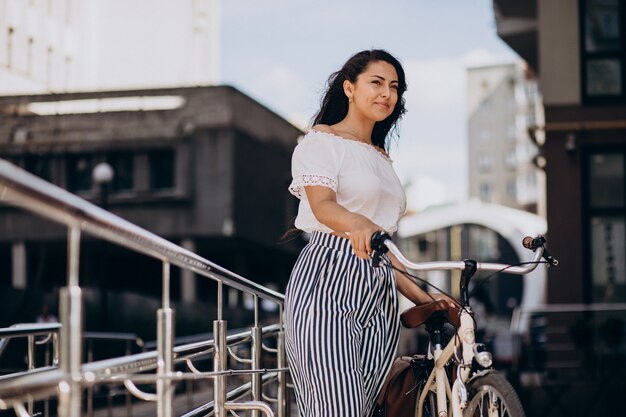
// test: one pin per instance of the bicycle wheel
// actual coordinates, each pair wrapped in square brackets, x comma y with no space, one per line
[492,395]
[430,402]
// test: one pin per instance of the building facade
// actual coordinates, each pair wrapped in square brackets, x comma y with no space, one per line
[207,168]
[503,102]
[69,45]
[578,49]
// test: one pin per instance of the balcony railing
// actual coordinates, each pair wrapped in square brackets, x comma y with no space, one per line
[68,379]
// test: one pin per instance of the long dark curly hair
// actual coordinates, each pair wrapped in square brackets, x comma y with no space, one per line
[334,104]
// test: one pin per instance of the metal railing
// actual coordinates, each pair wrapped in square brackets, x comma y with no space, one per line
[68,380]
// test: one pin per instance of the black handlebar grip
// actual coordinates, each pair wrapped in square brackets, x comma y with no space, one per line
[378,242]
[537,242]
[533,243]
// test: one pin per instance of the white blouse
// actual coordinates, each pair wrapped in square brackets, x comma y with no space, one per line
[362,177]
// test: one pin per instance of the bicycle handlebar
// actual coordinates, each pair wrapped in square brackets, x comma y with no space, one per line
[381,243]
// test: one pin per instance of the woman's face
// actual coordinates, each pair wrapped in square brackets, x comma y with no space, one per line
[375,93]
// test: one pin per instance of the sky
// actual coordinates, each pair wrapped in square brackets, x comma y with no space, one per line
[281,52]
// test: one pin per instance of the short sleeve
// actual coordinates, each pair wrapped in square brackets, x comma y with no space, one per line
[315,161]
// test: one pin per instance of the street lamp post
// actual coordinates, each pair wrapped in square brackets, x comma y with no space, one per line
[102,176]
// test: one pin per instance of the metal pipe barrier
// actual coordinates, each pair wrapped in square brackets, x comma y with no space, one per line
[22,189]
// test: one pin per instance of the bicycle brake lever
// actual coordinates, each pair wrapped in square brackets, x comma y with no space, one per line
[376,259]
[378,247]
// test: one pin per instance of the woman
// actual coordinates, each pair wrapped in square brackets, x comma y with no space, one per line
[341,314]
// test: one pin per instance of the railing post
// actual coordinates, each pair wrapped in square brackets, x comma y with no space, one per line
[129,404]
[281,363]
[219,358]
[165,342]
[257,339]
[70,342]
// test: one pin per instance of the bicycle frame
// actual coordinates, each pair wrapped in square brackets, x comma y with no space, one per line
[456,397]
[438,381]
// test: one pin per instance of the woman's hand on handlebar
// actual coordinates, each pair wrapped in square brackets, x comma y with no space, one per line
[361,231]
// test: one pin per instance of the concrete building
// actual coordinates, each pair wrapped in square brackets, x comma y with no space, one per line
[205,167]
[578,53]
[578,50]
[503,102]
[68,45]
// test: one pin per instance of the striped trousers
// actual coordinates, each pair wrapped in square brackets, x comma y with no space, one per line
[341,328]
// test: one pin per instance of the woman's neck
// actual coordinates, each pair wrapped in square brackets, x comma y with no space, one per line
[356,128]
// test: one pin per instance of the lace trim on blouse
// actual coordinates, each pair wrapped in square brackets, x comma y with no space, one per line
[297,185]
[374,148]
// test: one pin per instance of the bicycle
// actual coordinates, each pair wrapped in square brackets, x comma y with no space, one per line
[464,384]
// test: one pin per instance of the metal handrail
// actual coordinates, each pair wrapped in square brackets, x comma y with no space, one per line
[24,190]
[28,329]
[234,395]
[110,368]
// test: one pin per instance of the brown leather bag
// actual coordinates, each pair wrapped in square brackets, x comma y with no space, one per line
[399,392]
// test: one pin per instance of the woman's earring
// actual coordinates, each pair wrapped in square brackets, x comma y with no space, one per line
[349,99]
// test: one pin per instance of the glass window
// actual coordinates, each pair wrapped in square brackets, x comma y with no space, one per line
[123,165]
[510,159]
[604,77]
[9,48]
[607,229]
[602,31]
[602,51]
[161,169]
[484,135]
[608,259]
[486,191]
[511,132]
[79,170]
[511,189]
[606,183]
[485,162]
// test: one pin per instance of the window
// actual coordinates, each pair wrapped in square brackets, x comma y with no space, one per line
[10,40]
[485,162]
[79,170]
[39,165]
[510,159]
[606,225]
[161,169]
[511,132]
[486,191]
[511,189]
[49,66]
[123,166]
[606,186]
[29,56]
[484,135]
[603,51]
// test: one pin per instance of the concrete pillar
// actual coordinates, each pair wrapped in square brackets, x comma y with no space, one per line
[18,255]
[187,277]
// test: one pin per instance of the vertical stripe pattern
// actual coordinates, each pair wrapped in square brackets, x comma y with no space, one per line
[341,328]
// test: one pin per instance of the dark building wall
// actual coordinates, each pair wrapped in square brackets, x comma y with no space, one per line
[565,222]
[231,168]
[262,203]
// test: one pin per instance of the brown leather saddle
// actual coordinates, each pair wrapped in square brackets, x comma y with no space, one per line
[418,315]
